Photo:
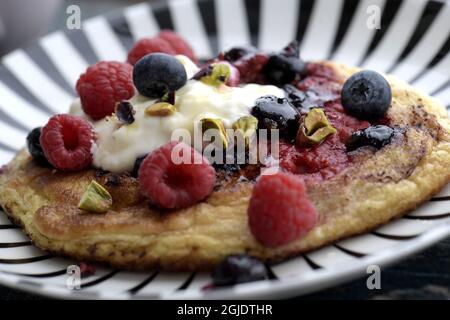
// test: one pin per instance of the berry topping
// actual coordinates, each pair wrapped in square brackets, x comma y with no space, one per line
[284,67]
[280,210]
[179,45]
[67,142]
[366,95]
[125,112]
[237,53]
[375,136]
[176,176]
[157,74]
[35,148]
[251,67]
[103,85]
[239,269]
[277,113]
[146,46]
[137,166]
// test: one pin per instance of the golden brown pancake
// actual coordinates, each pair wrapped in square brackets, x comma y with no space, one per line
[381,186]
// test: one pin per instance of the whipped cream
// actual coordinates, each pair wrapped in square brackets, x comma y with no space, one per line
[118,146]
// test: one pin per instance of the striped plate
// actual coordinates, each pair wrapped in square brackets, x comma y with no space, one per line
[413,43]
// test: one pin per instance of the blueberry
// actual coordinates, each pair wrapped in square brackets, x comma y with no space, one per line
[137,166]
[286,66]
[35,148]
[239,269]
[237,53]
[366,95]
[277,113]
[375,136]
[157,74]
[295,96]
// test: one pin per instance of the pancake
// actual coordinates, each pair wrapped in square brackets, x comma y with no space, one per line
[379,187]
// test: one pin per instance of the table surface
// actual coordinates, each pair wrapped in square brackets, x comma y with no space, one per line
[423,276]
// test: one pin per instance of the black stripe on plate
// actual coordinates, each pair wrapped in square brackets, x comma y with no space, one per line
[441,88]
[13,122]
[347,13]
[392,237]
[390,10]
[350,252]
[39,275]
[440,198]
[311,263]
[99,280]
[162,15]
[41,59]
[305,10]
[144,283]
[8,226]
[16,86]
[186,284]
[25,260]
[208,13]
[253,10]
[429,14]
[81,43]
[121,28]
[8,148]
[437,57]
[271,274]
[432,217]
[14,244]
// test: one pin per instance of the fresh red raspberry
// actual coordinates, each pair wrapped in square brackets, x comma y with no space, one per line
[280,210]
[103,85]
[178,44]
[170,184]
[67,141]
[149,45]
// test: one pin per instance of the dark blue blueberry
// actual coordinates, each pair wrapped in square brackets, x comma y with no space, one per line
[137,166]
[366,95]
[237,53]
[277,113]
[286,66]
[239,269]
[374,136]
[125,112]
[35,148]
[157,74]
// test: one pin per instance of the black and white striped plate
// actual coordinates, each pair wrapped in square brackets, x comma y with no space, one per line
[413,43]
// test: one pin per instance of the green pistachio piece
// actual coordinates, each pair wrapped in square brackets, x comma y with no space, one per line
[95,198]
[215,124]
[160,109]
[315,128]
[220,74]
[246,126]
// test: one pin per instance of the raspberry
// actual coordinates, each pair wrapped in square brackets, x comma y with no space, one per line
[280,210]
[178,44]
[149,45]
[171,185]
[67,141]
[103,85]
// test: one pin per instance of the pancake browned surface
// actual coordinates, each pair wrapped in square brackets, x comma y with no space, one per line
[381,186]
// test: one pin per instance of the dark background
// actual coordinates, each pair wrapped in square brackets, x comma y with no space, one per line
[423,276]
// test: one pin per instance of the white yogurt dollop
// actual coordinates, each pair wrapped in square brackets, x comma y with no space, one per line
[118,146]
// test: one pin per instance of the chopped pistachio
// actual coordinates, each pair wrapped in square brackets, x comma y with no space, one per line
[160,109]
[95,198]
[246,126]
[216,74]
[215,124]
[315,128]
